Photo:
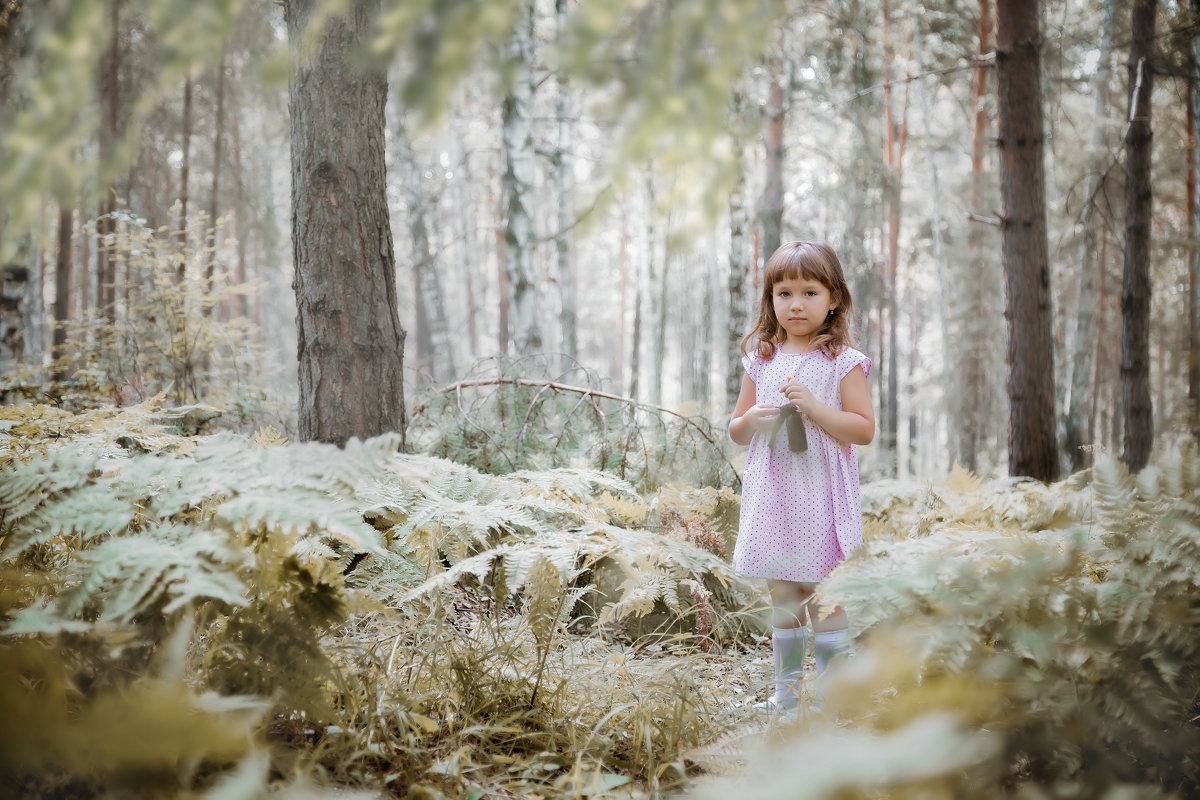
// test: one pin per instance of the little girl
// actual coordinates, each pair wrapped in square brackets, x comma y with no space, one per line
[804,404]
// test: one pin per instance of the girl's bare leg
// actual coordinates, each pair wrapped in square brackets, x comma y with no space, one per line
[790,602]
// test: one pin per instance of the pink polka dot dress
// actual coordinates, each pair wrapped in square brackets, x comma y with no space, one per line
[801,512]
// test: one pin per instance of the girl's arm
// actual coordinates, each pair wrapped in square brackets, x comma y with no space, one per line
[854,424]
[749,418]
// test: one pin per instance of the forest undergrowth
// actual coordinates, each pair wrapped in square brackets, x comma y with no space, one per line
[222,615]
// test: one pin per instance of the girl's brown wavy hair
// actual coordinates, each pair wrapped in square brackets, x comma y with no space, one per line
[808,261]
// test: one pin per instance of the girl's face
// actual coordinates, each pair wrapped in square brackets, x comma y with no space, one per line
[801,307]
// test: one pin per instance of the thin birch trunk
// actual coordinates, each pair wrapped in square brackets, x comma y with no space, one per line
[435,351]
[771,214]
[741,257]
[564,188]
[185,167]
[1077,429]
[517,182]
[939,255]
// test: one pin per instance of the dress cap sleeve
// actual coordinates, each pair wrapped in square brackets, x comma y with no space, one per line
[848,360]
[753,366]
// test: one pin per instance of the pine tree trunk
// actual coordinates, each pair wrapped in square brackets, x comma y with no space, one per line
[185,167]
[975,290]
[106,224]
[210,259]
[564,188]
[242,214]
[62,281]
[351,344]
[1032,447]
[1077,430]
[1193,375]
[1135,288]
[517,182]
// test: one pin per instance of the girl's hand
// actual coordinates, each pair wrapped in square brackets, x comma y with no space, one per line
[760,417]
[801,397]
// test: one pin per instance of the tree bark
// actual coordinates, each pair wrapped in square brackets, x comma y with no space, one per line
[1032,448]
[106,224]
[975,290]
[350,342]
[1135,286]
[517,182]
[939,256]
[564,187]
[1193,376]
[741,255]
[185,167]
[62,282]
[241,214]
[1077,429]
[210,258]
[895,138]
[771,214]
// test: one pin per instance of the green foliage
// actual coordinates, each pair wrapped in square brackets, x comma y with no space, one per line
[239,564]
[1064,650]
[404,621]
[166,336]
[500,421]
[57,118]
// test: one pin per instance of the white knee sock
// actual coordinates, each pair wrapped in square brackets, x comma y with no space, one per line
[829,647]
[788,647]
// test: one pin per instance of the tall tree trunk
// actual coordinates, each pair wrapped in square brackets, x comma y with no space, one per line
[741,255]
[502,290]
[351,344]
[210,259]
[771,213]
[564,188]
[646,322]
[1077,430]
[435,351]
[185,168]
[939,255]
[242,214]
[62,282]
[659,298]
[1194,259]
[106,224]
[1032,447]
[618,369]
[895,138]
[975,289]
[517,189]
[1135,287]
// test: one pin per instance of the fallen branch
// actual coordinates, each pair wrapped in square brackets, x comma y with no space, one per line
[592,394]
